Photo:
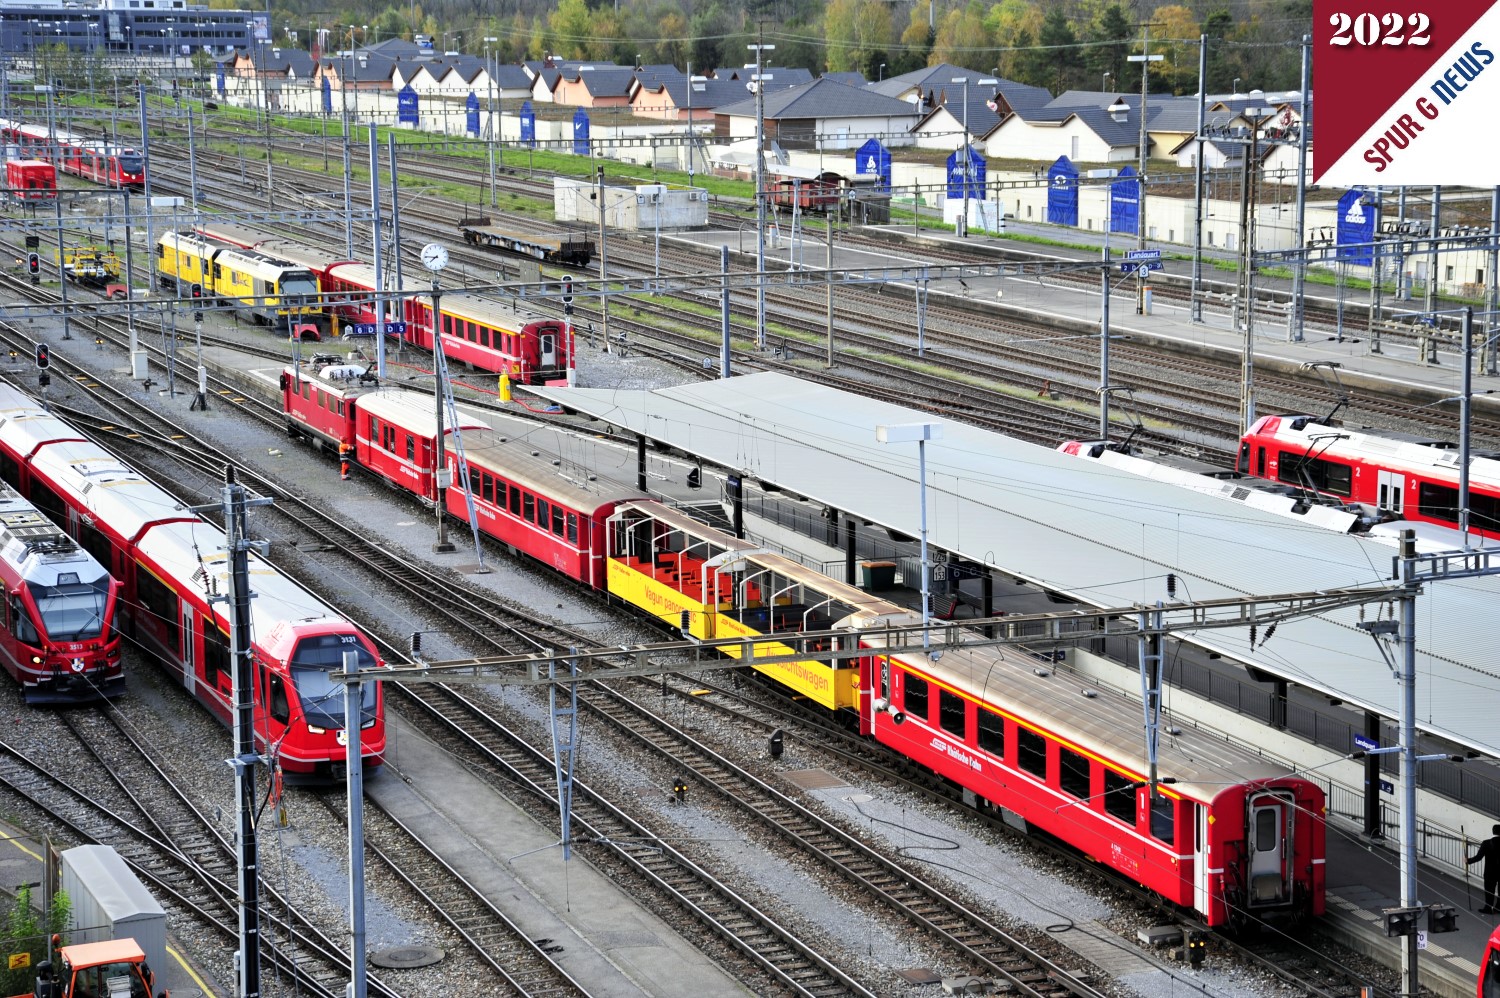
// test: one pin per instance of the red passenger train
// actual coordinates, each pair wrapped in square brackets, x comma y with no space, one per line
[173,570]
[30,179]
[1391,474]
[481,332]
[59,641]
[1226,834]
[1489,968]
[91,159]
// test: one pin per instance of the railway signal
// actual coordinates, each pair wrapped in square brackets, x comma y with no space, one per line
[34,266]
[567,295]
[43,357]
[195,292]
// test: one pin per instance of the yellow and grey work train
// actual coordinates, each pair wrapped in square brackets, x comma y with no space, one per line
[258,287]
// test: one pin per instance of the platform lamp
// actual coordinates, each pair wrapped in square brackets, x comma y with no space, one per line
[918,433]
[963,225]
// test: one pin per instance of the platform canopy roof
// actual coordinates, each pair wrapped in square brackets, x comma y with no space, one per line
[1102,537]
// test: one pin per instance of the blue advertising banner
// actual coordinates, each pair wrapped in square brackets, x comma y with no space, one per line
[471,114]
[1356,225]
[580,133]
[327,96]
[219,77]
[528,124]
[1125,202]
[975,176]
[1062,193]
[406,106]
[874,159]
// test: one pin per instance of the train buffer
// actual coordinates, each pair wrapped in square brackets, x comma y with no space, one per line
[92,266]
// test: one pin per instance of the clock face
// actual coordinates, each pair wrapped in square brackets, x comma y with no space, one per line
[434,256]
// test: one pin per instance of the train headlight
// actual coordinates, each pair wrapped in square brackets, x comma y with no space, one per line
[315,730]
[36,660]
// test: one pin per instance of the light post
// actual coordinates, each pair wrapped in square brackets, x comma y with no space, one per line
[963,149]
[1104,83]
[1256,116]
[693,82]
[881,75]
[1145,59]
[1236,85]
[494,120]
[760,192]
[920,433]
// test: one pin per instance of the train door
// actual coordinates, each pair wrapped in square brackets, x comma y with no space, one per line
[1391,488]
[1201,828]
[1268,830]
[189,649]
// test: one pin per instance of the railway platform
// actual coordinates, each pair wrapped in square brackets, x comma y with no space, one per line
[1398,368]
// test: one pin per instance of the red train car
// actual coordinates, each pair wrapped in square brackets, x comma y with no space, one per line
[1394,475]
[31,179]
[1224,834]
[91,159]
[173,573]
[60,643]
[1489,968]
[816,191]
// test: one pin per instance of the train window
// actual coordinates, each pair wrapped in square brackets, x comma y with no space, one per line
[411,447]
[1260,462]
[572,528]
[216,663]
[558,521]
[21,625]
[543,513]
[448,325]
[49,502]
[1119,796]
[159,603]
[1031,751]
[915,697]
[97,543]
[10,470]
[1072,772]
[528,506]
[276,701]
[341,407]
[1314,472]
[476,482]
[374,429]
[307,389]
[515,501]
[951,713]
[1266,837]
[471,332]
[992,733]
[484,336]
[1164,819]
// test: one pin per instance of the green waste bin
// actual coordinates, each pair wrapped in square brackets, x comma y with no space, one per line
[877,576]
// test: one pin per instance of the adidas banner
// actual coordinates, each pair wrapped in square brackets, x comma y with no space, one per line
[1406,91]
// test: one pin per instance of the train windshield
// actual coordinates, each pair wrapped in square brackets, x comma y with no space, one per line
[313,666]
[303,287]
[73,611]
[131,162]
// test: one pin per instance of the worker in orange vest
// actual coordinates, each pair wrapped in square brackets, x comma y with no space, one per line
[344,451]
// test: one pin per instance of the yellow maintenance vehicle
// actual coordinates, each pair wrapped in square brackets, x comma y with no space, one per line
[90,266]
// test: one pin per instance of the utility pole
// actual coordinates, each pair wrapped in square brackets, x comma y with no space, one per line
[375,237]
[138,362]
[1256,116]
[440,463]
[760,190]
[1145,59]
[1195,299]
[603,262]
[241,658]
[1299,271]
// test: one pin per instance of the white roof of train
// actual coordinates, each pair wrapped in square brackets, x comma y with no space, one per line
[191,550]
[1395,449]
[38,548]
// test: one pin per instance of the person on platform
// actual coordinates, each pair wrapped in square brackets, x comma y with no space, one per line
[1489,851]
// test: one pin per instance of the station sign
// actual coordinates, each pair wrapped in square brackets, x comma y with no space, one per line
[1387,786]
[1367,744]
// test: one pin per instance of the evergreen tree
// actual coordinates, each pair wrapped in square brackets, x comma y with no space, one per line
[1060,50]
[1110,36]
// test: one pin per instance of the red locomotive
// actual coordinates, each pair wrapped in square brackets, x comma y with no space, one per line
[61,644]
[1391,474]
[809,190]
[91,159]
[30,179]
[173,570]
[1224,834]
[481,332]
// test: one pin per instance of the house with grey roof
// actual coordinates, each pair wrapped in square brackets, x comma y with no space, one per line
[674,99]
[823,114]
[1089,126]
[588,86]
[975,109]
